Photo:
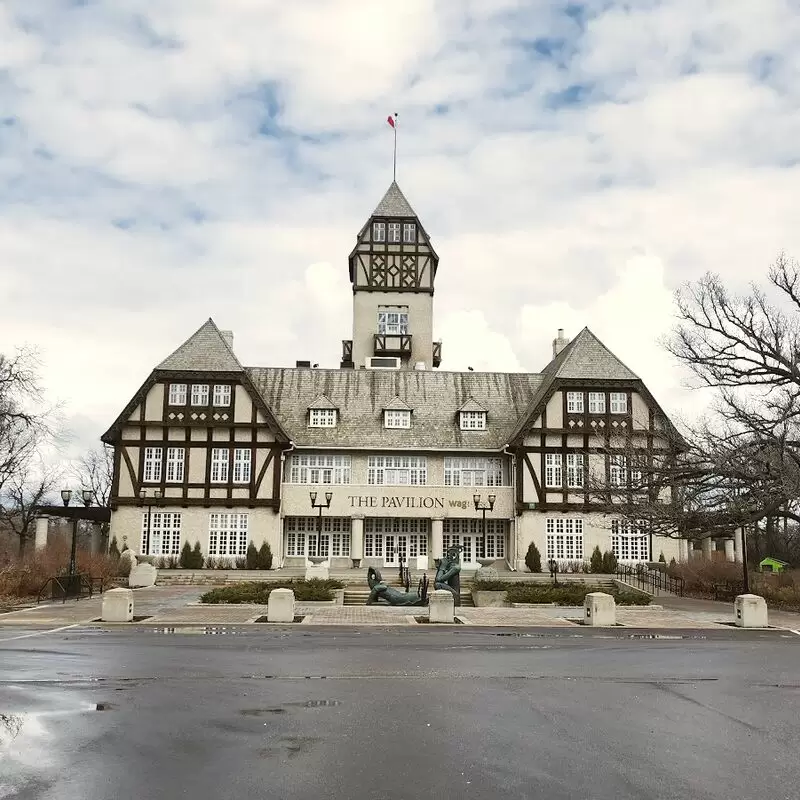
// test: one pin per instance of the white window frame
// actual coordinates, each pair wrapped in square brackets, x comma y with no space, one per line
[322,418]
[409,232]
[473,471]
[319,468]
[467,533]
[228,534]
[151,468]
[175,464]
[301,537]
[597,402]
[165,533]
[242,464]
[396,418]
[575,471]
[378,231]
[199,394]
[553,471]
[222,395]
[177,394]
[397,471]
[575,403]
[564,538]
[472,420]
[220,462]
[617,470]
[392,322]
[629,541]
[618,402]
[393,232]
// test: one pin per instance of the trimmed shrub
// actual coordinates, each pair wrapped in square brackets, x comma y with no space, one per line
[252,556]
[113,548]
[257,592]
[609,562]
[533,558]
[185,558]
[570,594]
[661,558]
[596,560]
[196,561]
[264,557]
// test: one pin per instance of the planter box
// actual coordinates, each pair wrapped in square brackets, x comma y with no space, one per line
[489,599]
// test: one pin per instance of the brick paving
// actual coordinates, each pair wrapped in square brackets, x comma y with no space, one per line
[360,615]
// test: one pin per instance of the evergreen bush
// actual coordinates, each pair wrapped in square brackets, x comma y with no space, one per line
[661,558]
[264,557]
[252,556]
[196,561]
[596,560]
[609,562]
[185,558]
[533,558]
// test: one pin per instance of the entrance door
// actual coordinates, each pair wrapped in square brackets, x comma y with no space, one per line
[396,549]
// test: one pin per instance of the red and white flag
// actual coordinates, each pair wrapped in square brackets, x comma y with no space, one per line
[390,120]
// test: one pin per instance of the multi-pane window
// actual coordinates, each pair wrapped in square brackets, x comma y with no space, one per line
[617,470]
[301,536]
[175,459]
[629,542]
[152,464]
[575,402]
[227,534]
[398,470]
[564,539]
[309,468]
[637,471]
[618,401]
[242,463]
[322,418]
[396,419]
[394,231]
[597,402]
[467,471]
[393,322]
[164,533]
[219,464]
[177,394]
[553,477]
[391,537]
[575,470]
[378,231]
[222,394]
[409,232]
[468,534]
[199,394]
[472,420]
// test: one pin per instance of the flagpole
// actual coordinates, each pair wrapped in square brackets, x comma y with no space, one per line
[394,160]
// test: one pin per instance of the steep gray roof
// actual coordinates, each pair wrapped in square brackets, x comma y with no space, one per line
[206,349]
[362,395]
[587,357]
[394,204]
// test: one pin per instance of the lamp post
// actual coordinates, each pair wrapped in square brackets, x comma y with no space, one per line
[66,496]
[144,496]
[320,506]
[483,508]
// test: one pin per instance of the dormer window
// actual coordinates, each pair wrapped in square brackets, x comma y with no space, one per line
[378,231]
[409,232]
[472,420]
[396,418]
[322,418]
[394,231]
[199,394]
[177,394]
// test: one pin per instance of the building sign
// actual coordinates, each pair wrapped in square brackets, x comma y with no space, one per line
[371,501]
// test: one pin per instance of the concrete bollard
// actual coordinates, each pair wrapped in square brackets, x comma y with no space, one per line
[750,611]
[117,606]
[142,576]
[319,571]
[441,606]
[599,609]
[280,606]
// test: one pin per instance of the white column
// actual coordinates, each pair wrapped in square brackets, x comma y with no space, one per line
[437,538]
[357,537]
[683,550]
[40,540]
[737,546]
[707,544]
[729,550]
[511,552]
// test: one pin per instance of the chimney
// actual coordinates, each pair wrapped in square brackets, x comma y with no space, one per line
[559,343]
[228,337]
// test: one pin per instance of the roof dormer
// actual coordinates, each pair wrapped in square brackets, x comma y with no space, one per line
[322,413]
[472,416]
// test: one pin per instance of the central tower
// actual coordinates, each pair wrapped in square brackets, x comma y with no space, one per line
[392,269]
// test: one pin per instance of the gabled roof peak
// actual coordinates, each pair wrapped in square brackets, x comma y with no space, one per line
[587,357]
[322,401]
[206,350]
[394,204]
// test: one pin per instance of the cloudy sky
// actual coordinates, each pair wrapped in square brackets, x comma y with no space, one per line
[165,162]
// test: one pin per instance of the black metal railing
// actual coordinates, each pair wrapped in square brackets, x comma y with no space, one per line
[650,580]
[64,587]
[405,577]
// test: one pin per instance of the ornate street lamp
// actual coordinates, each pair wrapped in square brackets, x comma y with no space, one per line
[143,495]
[483,508]
[318,559]
[66,496]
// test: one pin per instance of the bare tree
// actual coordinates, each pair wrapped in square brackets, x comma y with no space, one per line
[94,472]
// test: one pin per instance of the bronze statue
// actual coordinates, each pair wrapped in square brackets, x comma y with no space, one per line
[447,573]
[381,592]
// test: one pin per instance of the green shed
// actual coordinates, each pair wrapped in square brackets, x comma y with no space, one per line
[770,564]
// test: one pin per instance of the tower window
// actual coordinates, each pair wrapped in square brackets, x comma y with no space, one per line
[409,232]
[394,231]
[379,231]
[393,322]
